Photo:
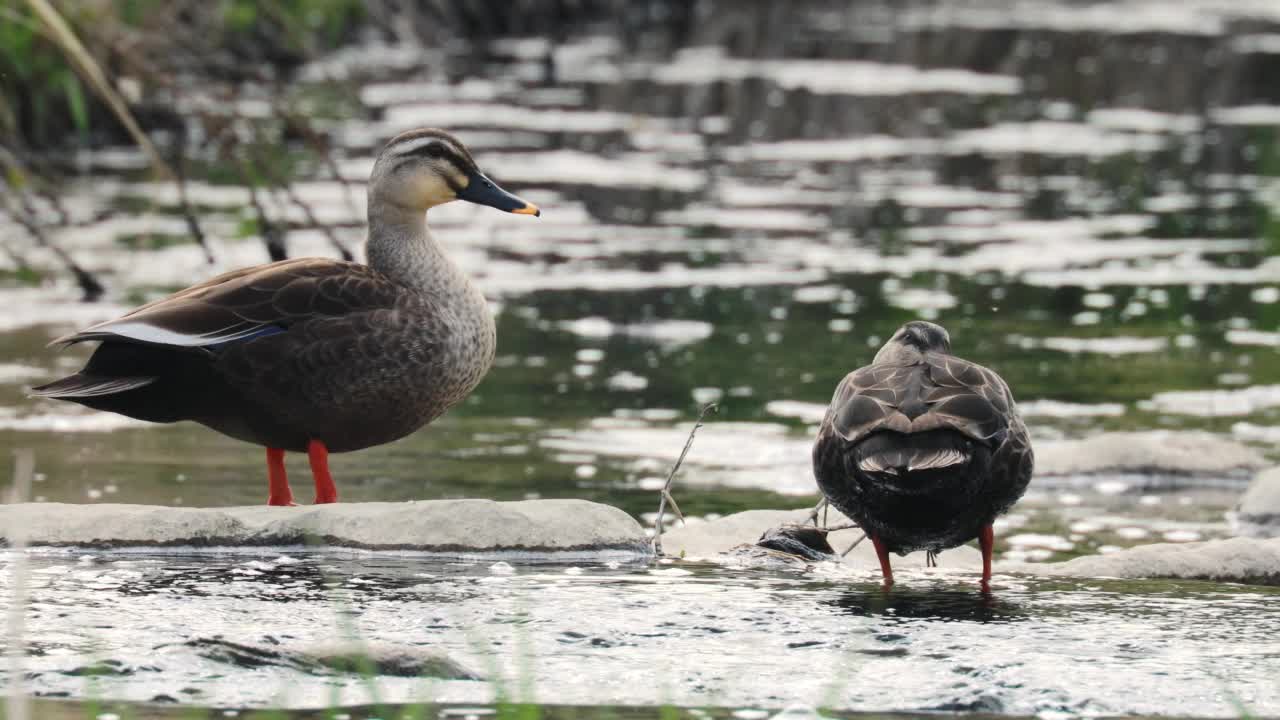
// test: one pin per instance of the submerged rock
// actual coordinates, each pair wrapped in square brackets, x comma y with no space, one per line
[378,658]
[804,541]
[446,526]
[1242,560]
[389,659]
[1158,452]
[1258,514]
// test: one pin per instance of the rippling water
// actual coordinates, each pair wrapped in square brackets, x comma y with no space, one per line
[155,627]
[741,206]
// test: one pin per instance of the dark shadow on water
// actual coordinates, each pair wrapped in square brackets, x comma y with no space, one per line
[926,604]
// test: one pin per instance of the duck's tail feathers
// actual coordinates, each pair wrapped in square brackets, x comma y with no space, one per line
[81,385]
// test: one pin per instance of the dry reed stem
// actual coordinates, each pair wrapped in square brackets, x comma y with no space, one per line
[854,545]
[89,69]
[665,497]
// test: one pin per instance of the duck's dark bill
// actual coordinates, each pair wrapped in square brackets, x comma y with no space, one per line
[483,191]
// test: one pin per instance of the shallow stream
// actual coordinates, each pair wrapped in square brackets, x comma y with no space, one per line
[173,628]
[1086,195]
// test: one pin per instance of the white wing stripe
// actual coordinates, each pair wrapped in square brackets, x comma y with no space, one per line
[145,332]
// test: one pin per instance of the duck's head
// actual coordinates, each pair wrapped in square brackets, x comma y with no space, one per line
[913,340]
[422,168]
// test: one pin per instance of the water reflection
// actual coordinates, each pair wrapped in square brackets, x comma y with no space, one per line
[901,604]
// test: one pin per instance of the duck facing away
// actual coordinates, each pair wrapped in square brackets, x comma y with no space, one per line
[315,355]
[922,449]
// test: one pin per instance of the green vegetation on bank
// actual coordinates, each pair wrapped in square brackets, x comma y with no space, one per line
[144,45]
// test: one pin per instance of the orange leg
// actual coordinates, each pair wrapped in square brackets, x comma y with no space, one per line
[987,541]
[278,492]
[883,553]
[326,491]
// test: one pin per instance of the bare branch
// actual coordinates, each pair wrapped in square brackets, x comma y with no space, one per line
[671,476]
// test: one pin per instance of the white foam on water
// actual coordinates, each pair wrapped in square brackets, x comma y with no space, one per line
[573,167]
[1249,432]
[384,94]
[729,454]
[1145,121]
[1217,403]
[627,381]
[399,118]
[821,294]
[201,193]
[1123,17]
[702,65]
[1266,43]
[68,420]
[943,196]
[1263,115]
[1119,345]
[806,411]
[922,299]
[867,147]
[669,333]
[1052,138]
[1038,540]
[19,373]
[519,278]
[749,219]
[30,307]
[368,58]
[1170,203]
[1059,409]
[1184,270]
[738,194]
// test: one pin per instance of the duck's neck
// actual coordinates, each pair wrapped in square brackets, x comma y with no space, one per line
[401,247]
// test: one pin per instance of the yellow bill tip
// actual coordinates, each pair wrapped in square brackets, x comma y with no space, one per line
[528,209]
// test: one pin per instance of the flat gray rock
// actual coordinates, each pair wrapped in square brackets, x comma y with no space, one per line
[1242,560]
[1156,452]
[1258,514]
[445,526]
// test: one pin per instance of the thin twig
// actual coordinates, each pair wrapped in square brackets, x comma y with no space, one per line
[838,528]
[184,202]
[271,235]
[671,476]
[283,183]
[89,285]
[813,514]
[320,146]
[854,545]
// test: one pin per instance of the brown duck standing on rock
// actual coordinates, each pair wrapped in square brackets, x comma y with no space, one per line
[315,355]
[922,449]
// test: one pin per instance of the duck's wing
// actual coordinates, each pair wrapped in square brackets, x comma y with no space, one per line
[941,392]
[247,303]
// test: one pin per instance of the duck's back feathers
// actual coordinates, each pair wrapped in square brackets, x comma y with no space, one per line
[923,453]
[247,303]
[940,392]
